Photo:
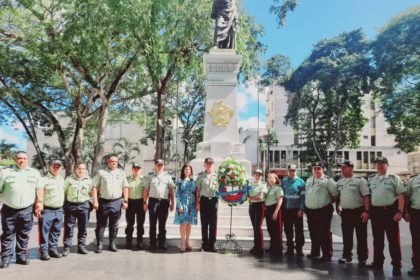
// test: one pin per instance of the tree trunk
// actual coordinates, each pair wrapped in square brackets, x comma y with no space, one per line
[100,140]
[160,121]
[75,153]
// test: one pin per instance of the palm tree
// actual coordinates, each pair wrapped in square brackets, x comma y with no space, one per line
[124,150]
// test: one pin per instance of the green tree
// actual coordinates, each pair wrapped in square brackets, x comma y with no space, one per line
[326,95]
[7,150]
[397,60]
[276,70]
[126,150]
[280,8]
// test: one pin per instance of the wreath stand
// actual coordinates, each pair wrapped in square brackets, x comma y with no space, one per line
[230,243]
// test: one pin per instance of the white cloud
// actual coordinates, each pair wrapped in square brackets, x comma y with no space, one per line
[13,137]
[251,91]
[251,122]
[242,102]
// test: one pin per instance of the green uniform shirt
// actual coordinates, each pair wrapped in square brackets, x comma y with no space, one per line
[352,191]
[207,184]
[273,195]
[318,192]
[413,191]
[256,189]
[110,183]
[159,185]
[53,190]
[385,189]
[136,186]
[18,187]
[77,190]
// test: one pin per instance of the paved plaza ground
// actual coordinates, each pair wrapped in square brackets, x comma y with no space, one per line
[128,264]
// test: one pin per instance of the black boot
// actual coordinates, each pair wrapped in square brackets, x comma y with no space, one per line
[112,237]
[99,240]
[139,243]
[5,262]
[128,242]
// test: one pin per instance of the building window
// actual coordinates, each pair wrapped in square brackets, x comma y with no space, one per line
[296,139]
[373,141]
[295,155]
[359,160]
[365,137]
[277,156]
[379,154]
[373,122]
[365,160]
[283,155]
[346,155]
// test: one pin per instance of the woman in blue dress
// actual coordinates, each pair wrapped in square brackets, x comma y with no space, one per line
[185,214]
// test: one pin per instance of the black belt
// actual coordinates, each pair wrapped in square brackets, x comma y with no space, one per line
[76,203]
[159,199]
[388,207]
[109,200]
[52,208]
[257,203]
[202,196]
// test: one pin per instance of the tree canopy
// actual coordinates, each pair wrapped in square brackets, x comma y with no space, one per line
[396,55]
[326,95]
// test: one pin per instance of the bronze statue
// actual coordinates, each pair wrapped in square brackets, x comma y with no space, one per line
[225,14]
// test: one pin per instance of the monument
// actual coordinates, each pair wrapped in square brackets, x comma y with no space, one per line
[221,67]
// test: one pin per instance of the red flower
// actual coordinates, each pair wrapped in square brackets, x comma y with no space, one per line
[232,176]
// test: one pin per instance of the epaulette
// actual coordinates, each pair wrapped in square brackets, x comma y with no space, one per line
[372,175]
[415,175]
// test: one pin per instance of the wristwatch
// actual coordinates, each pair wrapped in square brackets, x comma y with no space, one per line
[125,201]
[401,211]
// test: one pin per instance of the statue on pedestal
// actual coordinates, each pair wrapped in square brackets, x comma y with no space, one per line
[225,14]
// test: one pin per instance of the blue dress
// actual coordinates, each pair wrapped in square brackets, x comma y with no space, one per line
[185,199]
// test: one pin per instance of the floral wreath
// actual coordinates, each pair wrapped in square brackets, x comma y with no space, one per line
[232,174]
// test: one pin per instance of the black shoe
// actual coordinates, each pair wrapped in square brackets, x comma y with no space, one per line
[139,246]
[22,261]
[152,248]
[44,256]
[396,271]
[212,250]
[375,265]
[163,247]
[325,259]
[66,251]
[128,242]
[299,253]
[290,252]
[5,263]
[414,272]
[99,248]
[312,256]
[362,264]
[55,254]
[344,260]
[82,250]
[112,247]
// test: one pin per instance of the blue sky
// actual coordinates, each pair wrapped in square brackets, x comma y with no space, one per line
[312,21]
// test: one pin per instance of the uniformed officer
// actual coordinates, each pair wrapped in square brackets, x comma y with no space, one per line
[207,204]
[20,188]
[257,210]
[273,201]
[52,218]
[77,189]
[293,207]
[320,192]
[387,195]
[158,197]
[135,207]
[353,205]
[109,185]
[412,215]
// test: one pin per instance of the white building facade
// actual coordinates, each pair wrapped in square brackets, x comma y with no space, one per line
[374,139]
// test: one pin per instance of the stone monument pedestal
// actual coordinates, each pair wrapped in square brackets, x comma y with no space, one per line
[221,135]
